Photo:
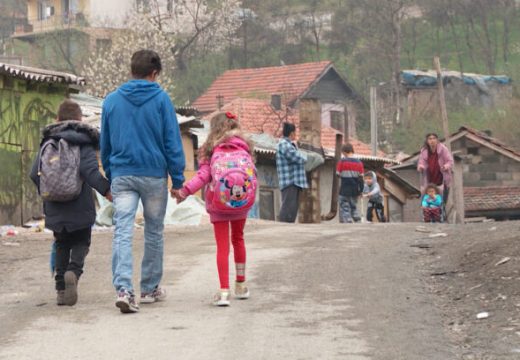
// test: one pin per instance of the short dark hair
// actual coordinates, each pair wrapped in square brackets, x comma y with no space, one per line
[432,186]
[144,63]
[288,129]
[347,148]
[69,110]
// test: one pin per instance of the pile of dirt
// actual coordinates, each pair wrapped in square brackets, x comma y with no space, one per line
[475,274]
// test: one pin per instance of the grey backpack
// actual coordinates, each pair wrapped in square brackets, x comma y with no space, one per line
[58,170]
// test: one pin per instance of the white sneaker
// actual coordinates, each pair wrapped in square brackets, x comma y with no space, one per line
[158,294]
[126,302]
[221,298]
[241,290]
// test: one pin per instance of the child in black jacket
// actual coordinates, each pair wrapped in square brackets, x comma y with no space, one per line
[72,221]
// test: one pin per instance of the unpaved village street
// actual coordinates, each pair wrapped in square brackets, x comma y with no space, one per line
[317,292]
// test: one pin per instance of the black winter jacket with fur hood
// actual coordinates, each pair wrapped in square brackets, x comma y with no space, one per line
[79,213]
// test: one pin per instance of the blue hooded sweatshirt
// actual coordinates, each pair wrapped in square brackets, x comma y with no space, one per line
[140,135]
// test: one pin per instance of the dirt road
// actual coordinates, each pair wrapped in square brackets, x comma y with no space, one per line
[318,292]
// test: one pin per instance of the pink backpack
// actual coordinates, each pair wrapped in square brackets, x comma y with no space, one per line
[233,180]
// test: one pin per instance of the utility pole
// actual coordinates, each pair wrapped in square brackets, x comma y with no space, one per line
[442,102]
[373,119]
[455,200]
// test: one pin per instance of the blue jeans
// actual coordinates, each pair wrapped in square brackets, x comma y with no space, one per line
[153,192]
[348,209]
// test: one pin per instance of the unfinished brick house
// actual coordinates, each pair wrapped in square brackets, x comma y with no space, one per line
[491,171]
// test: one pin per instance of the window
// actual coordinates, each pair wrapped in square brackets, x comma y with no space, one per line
[337,120]
[169,6]
[142,6]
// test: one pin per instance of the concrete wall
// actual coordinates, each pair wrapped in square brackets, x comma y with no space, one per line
[486,167]
[268,181]
[24,111]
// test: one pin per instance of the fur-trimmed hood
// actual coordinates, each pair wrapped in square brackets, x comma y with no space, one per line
[235,137]
[75,132]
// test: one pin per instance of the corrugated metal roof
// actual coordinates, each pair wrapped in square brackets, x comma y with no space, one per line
[41,75]
[91,107]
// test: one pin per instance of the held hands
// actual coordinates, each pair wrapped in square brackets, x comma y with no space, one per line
[108,196]
[178,194]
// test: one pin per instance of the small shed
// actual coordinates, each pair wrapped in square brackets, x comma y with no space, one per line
[29,98]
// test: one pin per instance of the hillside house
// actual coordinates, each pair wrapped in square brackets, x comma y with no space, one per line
[419,96]
[29,98]
[71,28]
[283,87]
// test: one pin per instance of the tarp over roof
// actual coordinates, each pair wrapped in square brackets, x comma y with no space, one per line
[40,75]
[418,78]
[289,80]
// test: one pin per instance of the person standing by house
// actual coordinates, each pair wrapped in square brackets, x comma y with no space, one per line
[290,165]
[435,165]
[350,170]
[140,146]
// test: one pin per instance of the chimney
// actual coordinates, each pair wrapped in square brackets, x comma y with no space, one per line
[276,101]
[220,101]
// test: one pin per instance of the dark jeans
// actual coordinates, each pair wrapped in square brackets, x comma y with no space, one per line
[380,211]
[290,203]
[71,250]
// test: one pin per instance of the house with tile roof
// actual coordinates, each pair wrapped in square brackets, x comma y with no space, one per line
[491,174]
[283,87]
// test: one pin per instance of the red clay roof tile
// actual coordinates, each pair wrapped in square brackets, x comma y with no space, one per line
[291,81]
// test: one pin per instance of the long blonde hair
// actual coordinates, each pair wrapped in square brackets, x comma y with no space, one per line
[223,125]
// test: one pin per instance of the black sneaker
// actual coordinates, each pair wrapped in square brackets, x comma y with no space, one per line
[126,302]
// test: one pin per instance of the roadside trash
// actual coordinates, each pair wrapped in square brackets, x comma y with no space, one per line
[8,243]
[438,235]
[503,261]
[8,230]
[493,228]
[35,226]
[422,229]
[482,315]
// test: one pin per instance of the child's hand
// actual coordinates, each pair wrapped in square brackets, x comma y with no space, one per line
[108,196]
[179,195]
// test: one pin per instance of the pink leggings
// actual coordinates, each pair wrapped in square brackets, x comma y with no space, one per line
[237,239]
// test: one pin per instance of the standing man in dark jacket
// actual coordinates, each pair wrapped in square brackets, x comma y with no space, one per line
[140,145]
[72,221]
[350,170]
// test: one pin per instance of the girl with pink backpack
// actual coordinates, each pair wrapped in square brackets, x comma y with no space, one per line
[227,171]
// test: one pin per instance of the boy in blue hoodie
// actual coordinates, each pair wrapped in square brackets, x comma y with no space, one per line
[140,145]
